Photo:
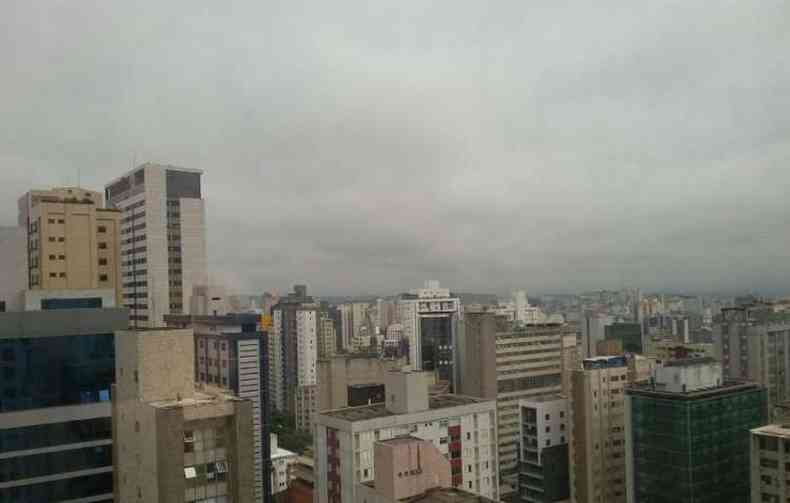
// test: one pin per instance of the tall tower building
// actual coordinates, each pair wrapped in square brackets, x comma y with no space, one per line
[327,338]
[73,243]
[293,356]
[687,434]
[753,343]
[173,441]
[597,447]
[56,371]
[507,361]
[163,240]
[430,319]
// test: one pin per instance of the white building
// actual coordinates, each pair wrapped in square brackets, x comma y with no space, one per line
[163,240]
[464,429]
[394,335]
[282,459]
[429,317]
[307,326]
[545,433]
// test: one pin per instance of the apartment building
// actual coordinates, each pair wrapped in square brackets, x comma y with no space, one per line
[753,343]
[462,428]
[175,441]
[597,446]
[506,361]
[163,240]
[293,356]
[687,434]
[769,458]
[73,242]
[57,368]
[327,340]
[544,473]
[230,352]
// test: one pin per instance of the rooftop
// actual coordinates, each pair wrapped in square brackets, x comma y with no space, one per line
[690,362]
[774,430]
[649,389]
[447,495]
[196,400]
[379,410]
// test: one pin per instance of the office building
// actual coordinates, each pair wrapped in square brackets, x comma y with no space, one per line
[163,240]
[506,361]
[73,242]
[281,461]
[544,473]
[56,371]
[462,428]
[327,337]
[753,343]
[430,319]
[687,434]
[597,446]
[230,352]
[293,353]
[175,441]
[340,375]
[629,335]
[769,457]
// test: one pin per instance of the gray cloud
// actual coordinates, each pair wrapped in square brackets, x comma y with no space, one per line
[363,147]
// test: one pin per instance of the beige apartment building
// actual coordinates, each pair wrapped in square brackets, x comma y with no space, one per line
[174,442]
[327,337]
[508,362]
[73,243]
[597,447]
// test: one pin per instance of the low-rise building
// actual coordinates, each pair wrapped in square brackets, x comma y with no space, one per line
[462,428]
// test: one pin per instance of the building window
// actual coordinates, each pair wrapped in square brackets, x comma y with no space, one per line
[61,239]
[102,277]
[51,220]
[53,275]
[102,245]
[102,261]
[63,275]
[52,257]
[102,229]
[52,239]
[61,257]
[61,221]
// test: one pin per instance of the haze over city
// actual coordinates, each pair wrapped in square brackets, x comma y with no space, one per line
[364,148]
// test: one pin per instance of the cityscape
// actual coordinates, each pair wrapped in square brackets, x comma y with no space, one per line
[394,252]
[129,376]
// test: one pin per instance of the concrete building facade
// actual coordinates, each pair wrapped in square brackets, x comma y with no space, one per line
[336,375]
[327,341]
[73,242]
[506,361]
[176,442]
[163,240]
[544,473]
[597,446]
[462,428]
[769,456]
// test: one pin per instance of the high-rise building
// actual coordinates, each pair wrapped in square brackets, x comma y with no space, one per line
[346,315]
[462,428]
[592,331]
[507,361]
[629,335]
[163,240]
[293,353]
[327,337]
[175,441]
[56,371]
[73,242]
[597,447]
[430,319]
[13,268]
[753,343]
[230,352]
[544,474]
[770,455]
[687,434]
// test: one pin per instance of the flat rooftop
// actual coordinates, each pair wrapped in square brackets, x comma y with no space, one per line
[774,430]
[690,362]
[196,400]
[648,389]
[447,495]
[379,410]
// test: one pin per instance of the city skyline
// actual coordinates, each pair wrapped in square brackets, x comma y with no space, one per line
[558,147]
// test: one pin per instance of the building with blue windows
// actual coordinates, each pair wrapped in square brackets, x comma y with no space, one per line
[56,371]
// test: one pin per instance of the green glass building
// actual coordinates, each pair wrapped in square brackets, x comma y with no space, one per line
[629,334]
[691,447]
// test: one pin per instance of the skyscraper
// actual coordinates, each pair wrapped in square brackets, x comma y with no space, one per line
[163,240]
[56,371]
[687,434]
[293,355]
[175,441]
[73,242]
[430,319]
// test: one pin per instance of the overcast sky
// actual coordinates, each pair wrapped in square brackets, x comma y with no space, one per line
[363,147]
